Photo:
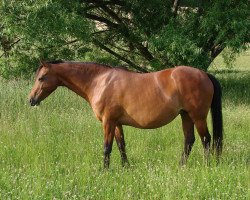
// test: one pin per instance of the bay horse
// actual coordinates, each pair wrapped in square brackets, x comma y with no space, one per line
[143,100]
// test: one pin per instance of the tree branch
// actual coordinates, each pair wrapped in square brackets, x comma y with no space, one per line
[175,7]
[2,55]
[126,32]
[7,44]
[124,50]
[102,46]
[101,19]
[100,32]
[98,2]
[112,14]
[17,41]
[216,50]
[120,27]
[144,51]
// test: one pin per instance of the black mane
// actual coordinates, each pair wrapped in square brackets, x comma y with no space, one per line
[56,62]
[94,63]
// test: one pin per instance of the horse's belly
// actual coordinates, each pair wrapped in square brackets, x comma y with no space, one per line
[149,118]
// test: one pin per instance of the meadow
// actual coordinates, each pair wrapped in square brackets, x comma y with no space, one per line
[55,151]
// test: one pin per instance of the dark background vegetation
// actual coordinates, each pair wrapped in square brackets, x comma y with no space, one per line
[142,35]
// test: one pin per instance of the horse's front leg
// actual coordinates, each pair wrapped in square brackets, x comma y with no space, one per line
[119,137]
[109,132]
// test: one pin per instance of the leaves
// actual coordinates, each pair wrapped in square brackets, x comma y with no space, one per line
[146,35]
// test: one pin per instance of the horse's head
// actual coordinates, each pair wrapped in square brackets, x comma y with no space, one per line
[45,83]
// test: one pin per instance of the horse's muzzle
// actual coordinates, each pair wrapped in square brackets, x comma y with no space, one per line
[34,102]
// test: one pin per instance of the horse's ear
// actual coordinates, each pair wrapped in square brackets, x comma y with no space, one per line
[44,64]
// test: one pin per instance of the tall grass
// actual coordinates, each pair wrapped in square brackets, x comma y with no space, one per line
[55,151]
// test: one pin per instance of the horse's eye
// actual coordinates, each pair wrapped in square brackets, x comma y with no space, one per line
[41,79]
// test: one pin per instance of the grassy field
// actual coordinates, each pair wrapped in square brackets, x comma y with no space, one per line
[55,151]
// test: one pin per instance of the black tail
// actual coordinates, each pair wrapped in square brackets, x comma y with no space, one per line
[216,111]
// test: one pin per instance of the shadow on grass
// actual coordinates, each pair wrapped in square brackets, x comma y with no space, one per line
[235,85]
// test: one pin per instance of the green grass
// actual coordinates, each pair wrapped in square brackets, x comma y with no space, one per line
[55,151]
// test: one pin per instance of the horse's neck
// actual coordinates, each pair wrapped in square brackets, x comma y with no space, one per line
[80,79]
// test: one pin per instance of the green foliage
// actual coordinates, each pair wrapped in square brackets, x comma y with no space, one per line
[146,18]
[181,50]
[44,30]
[143,34]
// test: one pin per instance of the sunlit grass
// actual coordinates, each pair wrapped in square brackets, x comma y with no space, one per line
[241,63]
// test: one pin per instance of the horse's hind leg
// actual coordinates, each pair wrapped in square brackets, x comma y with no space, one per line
[119,137]
[189,138]
[201,126]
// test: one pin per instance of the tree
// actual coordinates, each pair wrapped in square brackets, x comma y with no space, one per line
[146,35]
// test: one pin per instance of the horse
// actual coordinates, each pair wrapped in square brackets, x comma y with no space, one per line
[143,100]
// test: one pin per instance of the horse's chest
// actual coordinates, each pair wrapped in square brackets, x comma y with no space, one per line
[106,108]
[98,110]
